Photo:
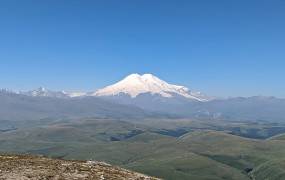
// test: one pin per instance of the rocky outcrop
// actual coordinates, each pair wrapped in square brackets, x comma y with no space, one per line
[26,167]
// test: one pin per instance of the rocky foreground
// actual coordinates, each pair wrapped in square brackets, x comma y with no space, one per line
[26,167]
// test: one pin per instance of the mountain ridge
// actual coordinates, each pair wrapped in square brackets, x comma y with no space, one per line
[139,96]
[196,95]
[132,85]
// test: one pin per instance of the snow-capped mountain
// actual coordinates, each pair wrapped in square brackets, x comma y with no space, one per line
[42,92]
[135,84]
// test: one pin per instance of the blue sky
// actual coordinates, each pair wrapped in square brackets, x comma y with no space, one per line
[222,47]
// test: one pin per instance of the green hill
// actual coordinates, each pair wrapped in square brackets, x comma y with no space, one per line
[166,149]
[273,170]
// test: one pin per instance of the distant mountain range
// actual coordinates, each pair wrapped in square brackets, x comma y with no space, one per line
[14,107]
[133,86]
[139,96]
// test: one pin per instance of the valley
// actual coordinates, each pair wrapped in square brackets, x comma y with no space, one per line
[164,148]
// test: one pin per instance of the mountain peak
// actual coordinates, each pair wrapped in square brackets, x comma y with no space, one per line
[43,92]
[136,84]
[134,75]
[41,89]
[148,76]
[139,77]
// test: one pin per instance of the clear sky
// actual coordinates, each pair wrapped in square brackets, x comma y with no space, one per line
[220,47]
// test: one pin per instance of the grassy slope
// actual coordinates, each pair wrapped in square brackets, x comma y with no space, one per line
[278,137]
[196,155]
[275,169]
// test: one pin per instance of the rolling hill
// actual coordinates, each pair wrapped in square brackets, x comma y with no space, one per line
[151,147]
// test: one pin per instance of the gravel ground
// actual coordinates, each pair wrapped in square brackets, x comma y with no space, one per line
[26,167]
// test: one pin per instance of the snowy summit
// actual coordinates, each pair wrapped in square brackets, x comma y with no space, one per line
[135,84]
